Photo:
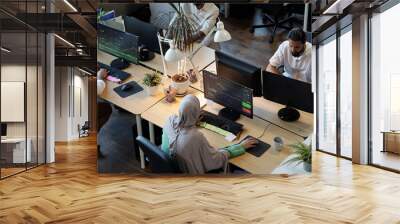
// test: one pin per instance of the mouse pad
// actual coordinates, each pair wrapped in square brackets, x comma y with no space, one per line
[133,90]
[260,149]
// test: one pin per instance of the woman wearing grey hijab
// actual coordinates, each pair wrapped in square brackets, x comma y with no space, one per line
[189,148]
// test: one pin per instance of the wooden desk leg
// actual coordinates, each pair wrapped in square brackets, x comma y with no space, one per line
[140,133]
[151,130]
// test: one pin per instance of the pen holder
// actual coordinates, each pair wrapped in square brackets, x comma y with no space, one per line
[170,94]
[192,75]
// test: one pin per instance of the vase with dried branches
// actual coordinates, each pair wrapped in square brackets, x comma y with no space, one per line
[181,29]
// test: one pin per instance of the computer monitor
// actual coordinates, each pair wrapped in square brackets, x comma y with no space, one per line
[114,23]
[3,130]
[239,71]
[236,98]
[118,43]
[146,32]
[293,93]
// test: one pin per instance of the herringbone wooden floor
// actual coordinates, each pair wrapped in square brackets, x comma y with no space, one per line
[71,191]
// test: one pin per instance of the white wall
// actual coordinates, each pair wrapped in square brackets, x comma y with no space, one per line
[71,93]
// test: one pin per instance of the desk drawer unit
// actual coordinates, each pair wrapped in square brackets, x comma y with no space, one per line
[391,142]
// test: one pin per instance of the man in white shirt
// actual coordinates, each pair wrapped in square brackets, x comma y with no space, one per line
[204,17]
[294,55]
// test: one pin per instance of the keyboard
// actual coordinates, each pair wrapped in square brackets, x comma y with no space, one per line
[221,122]
[115,72]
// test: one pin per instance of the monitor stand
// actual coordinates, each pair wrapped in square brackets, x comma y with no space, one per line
[288,114]
[228,113]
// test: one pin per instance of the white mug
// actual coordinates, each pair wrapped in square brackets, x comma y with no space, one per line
[278,143]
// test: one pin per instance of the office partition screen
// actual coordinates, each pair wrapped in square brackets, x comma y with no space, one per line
[385,88]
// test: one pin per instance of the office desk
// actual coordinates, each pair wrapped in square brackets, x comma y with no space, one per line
[202,59]
[19,155]
[137,103]
[266,164]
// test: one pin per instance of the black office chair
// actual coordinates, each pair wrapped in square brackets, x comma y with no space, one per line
[159,162]
[84,129]
[104,111]
[146,134]
[277,16]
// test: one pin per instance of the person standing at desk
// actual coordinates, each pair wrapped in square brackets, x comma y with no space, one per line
[295,55]
[189,148]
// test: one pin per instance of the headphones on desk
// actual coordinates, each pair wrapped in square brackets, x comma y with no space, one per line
[119,63]
[144,53]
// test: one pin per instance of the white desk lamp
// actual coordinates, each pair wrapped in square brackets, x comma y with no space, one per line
[174,54]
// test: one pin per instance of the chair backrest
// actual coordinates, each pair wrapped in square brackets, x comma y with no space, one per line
[86,125]
[159,162]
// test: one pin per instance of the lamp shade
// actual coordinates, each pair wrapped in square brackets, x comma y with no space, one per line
[173,53]
[221,35]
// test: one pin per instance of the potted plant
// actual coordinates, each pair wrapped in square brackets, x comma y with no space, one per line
[302,154]
[152,82]
[181,83]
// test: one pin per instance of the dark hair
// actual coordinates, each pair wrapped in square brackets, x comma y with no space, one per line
[297,34]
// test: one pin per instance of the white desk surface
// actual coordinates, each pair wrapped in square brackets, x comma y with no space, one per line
[201,59]
[136,103]
[13,140]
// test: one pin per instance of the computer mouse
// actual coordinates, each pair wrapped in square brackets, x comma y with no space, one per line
[126,87]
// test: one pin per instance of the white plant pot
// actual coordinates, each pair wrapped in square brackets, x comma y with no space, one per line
[307,166]
[152,90]
[181,87]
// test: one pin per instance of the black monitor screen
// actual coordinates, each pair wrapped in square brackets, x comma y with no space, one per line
[3,129]
[239,71]
[287,91]
[118,43]
[228,93]
[146,32]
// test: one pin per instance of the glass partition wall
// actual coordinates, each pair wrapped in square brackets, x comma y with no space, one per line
[22,77]
[385,89]
[334,81]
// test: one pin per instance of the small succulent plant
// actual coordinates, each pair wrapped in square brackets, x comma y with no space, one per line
[152,79]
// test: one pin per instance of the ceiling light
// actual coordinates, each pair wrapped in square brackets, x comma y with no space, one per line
[70,5]
[5,50]
[86,72]
[64,40]
[337,7]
